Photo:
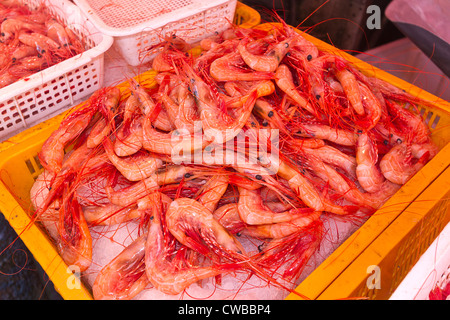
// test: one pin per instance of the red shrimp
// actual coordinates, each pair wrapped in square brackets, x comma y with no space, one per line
[124,277]
[52,152]
[165,275]
[369,176]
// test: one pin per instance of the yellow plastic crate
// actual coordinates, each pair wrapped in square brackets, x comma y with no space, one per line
[245,16]
[19,167]
[392,255]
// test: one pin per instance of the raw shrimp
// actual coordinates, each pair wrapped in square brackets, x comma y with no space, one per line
[228,216]
[163,273]
[159,117]
[74,241]
[372,109]
[124,277]
[178,143]
[282,229]
[136,167]
[129,140]
[285,81]
[333,157]
[231,67]
[351,89]
[308,193]
[369,176]
[252,210]
[270,60]
[217,125]
[11,27]
[398,165]
[212,191]
[110,214]
[187,219]
[410,125]
[138,190]
[22,52]
[321,131]
[52,152]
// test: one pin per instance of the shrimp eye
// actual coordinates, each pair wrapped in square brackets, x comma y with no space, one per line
[359,131]
[399,140]
[151,218]
[14,60]
[260,248]
[286,45]
[3,34]
[265,123]
[258,177]
[309,57]
[385,142]
[270,114]
[318,96]
[187,175]
[288,54]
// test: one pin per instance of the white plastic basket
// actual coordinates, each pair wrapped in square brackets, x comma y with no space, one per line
[53,90]
[136,25]
[432,269]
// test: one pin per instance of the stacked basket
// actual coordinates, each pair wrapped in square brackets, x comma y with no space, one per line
[49,92]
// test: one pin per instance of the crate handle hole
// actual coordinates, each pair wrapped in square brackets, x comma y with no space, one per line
[435,122]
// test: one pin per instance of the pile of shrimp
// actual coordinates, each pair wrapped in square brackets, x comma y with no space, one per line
[345,142]
[32,40]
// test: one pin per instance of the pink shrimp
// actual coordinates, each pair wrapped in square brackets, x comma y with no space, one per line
[285,81]
[217,125]
[129,140]
[334,157]
[282,229]
[109,214]
[212,191]
[409,124]
[320,131]
[351,89]
[369,176]
[131,194]
[165,275]
[186,216]
[11,27]
[231,67]
[52,152]
[270,60]
[136,167]
[74,241]
[124,277]
[398,166]
[228,216]
[252,210]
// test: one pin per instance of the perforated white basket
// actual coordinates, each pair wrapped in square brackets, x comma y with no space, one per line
[136,25]
[49,92]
